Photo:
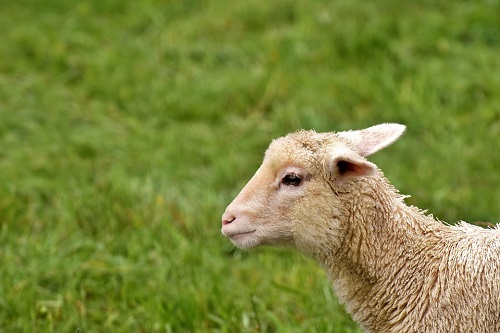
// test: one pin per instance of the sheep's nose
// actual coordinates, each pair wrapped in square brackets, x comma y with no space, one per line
[227,218]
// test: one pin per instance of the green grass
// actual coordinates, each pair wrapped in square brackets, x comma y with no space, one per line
[126,127]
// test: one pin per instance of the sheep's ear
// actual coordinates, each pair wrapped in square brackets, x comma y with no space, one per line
[372,139]
[344,163]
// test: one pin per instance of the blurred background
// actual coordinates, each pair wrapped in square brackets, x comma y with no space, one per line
[126,127]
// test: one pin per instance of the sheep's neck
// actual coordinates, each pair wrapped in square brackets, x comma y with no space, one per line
[383,238]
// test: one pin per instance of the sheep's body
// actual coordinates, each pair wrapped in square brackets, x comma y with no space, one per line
[417,274]
[394,268]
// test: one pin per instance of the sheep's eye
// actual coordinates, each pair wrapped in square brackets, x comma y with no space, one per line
[291,180]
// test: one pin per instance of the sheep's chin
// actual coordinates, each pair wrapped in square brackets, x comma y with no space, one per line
[245,240]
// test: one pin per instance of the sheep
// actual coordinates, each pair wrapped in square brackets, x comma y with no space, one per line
[393,267]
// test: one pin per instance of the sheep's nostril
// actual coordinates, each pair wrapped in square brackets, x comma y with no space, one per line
[227,219]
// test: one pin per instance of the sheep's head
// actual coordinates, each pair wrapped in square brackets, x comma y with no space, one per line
[298,184]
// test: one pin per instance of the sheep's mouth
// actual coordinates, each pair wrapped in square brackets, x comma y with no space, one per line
[241,234]
[236,234]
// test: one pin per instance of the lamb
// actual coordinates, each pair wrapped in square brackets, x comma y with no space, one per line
[393,267]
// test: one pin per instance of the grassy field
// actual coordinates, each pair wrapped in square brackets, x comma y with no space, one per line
[126,127]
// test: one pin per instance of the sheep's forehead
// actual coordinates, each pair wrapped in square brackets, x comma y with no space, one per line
[303,148]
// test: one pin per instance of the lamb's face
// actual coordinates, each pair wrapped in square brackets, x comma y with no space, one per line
[284,191]
[293,198]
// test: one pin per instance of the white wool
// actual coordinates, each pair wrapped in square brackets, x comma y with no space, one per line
[395,268]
